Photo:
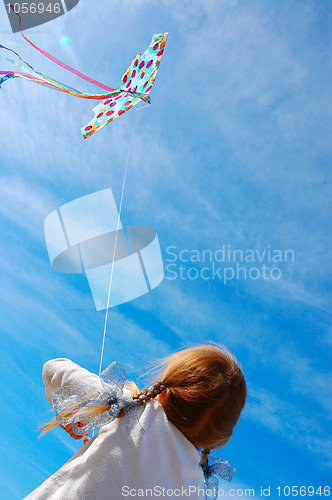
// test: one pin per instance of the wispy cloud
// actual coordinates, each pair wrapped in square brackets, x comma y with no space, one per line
[288,421]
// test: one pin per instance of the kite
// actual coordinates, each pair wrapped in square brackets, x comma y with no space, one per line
[136,83]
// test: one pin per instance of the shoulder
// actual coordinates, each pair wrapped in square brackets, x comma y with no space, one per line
[50,366]
[159,455]
[63,372]
[161,433]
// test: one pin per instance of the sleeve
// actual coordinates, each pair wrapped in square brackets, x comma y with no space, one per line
[62,372]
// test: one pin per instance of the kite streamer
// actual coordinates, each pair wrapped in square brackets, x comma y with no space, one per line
[56,61]
[135,86]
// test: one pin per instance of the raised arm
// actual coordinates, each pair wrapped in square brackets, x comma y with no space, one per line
[62,372]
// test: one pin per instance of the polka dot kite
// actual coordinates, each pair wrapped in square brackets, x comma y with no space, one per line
[135,86]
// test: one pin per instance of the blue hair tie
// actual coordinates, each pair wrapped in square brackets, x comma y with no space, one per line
[218,468]
[73,404]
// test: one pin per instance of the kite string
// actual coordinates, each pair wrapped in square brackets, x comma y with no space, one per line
[115,245]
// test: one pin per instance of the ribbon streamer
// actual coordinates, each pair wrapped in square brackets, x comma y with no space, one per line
[219,469]
[75,404]
[30,74]
[56,61]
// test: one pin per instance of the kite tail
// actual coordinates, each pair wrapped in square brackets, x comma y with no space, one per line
[5,75]
[30,74]
[59,63]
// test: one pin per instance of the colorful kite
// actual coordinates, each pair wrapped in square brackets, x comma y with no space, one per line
[135,85]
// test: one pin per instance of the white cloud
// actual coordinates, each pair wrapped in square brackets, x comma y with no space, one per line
[285,419]
[24,204]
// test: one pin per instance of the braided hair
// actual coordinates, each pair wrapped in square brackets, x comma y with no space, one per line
[150,393]
[205,452]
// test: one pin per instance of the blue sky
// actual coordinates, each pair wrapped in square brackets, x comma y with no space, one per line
[233,151]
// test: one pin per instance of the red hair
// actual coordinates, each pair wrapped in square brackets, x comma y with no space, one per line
[205,393]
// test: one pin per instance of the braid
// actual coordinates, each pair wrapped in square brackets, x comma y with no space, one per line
[204,458]
[150,393]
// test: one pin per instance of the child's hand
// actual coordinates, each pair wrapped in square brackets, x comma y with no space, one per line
[69,428]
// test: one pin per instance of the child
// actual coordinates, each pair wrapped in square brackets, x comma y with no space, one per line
[194,405]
